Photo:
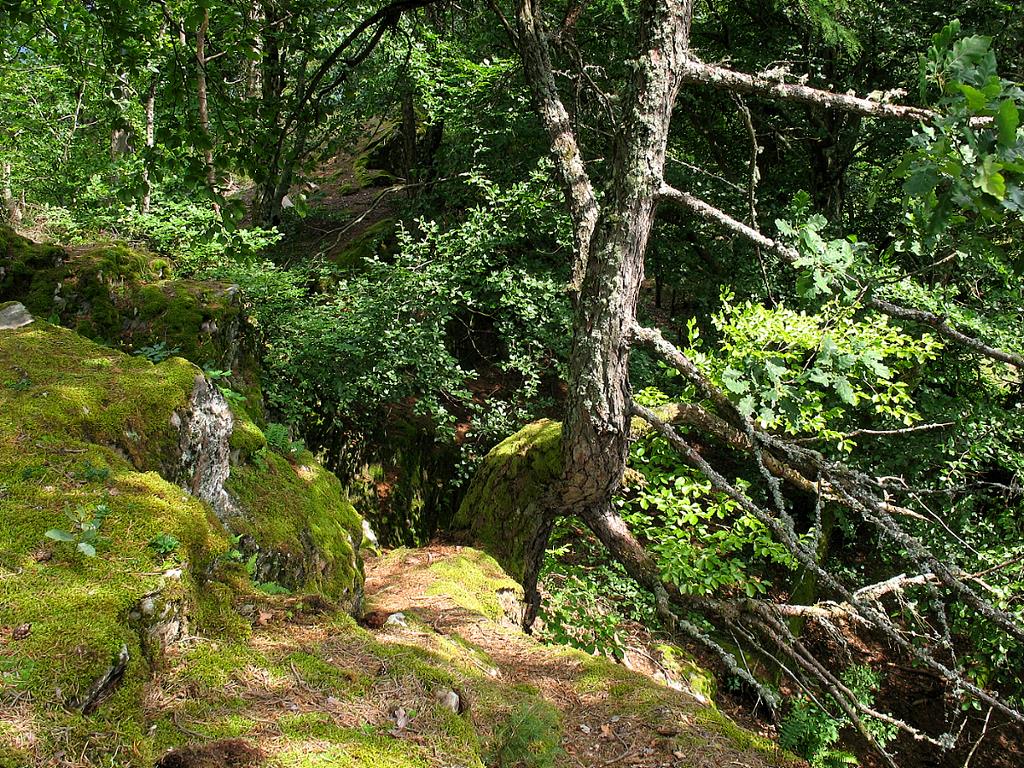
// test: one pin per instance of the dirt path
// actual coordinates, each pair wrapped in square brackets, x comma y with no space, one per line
[603,722]
[438,676]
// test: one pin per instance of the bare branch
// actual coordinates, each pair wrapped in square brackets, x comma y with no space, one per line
[696,71]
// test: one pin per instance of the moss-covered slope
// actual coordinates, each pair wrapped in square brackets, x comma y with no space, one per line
[443,679]
[90,436]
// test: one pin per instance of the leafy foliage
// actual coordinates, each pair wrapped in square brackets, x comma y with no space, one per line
[85,529]
[811,732]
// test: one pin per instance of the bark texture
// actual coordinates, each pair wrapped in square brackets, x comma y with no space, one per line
[596,431]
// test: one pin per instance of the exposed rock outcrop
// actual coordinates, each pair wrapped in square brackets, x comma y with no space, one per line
[14,315]
[205,426]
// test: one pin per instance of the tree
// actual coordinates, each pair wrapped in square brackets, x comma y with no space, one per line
[612,232]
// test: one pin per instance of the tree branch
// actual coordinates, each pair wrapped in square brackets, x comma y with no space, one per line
[791,255]
[579,193]
[696,71]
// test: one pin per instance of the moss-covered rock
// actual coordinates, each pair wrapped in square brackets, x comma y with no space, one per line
[90,437]
[124,297]
[502,510]
[304,534]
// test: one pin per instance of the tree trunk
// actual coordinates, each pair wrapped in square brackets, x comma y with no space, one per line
[253,70]
[596,432]
[10,202]
[147,194]
[204,109]
[408,130]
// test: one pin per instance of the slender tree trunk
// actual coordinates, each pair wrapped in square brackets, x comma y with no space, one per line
[408,131]
[608,270]
[204,109]
[253,79]
[11,206]
[147,194]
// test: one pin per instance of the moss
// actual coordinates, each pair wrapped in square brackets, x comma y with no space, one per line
[738,737]
[682,666]
[376,240]
[247,440]
[316,743]
[529,738]
[116,295]
[298,521]
[324,675]
[211,665]
[473,580]
[502,508]
[83,426]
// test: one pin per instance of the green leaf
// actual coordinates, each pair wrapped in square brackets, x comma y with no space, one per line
[1007,120]
[845,390]
[86,549]
[734,382]
[990,180]
[59,535]
[976,100]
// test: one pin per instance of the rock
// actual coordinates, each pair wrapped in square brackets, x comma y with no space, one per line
[449,699]
[14,315]
[503,510]
[369,537]
[205,461]
[104,685]
[396,620]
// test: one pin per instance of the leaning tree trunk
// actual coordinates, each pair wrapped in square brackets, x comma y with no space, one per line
[611,243]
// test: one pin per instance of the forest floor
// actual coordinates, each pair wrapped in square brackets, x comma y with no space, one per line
[438,675]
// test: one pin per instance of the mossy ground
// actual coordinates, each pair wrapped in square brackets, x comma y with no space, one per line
[580,709]
[86,429]
[80,427]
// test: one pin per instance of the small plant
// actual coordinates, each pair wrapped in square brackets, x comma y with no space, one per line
[811,732]
[32,471]
[529,738]
[165,544]
[157,353]
[85,529]
[19,385]
[216,375]
[94,474]
[279,439]
[272,588]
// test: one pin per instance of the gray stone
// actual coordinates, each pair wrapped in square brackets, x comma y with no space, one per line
[14,315]
[205,428]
